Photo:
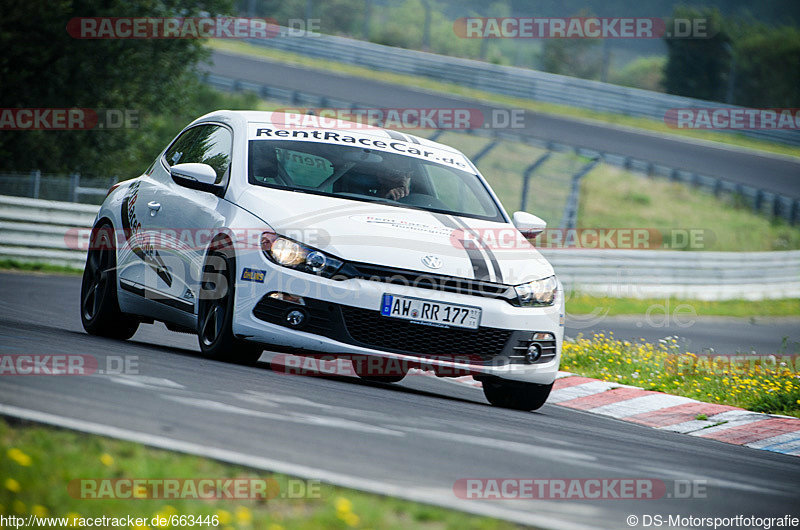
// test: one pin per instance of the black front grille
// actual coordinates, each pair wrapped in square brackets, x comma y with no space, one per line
[369,329]
[436,282]
[373,329]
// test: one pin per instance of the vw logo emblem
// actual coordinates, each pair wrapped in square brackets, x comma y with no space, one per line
[432,262]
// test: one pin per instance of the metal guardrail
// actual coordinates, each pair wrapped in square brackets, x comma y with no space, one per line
[35,230]
[74,187]
[761,201]
[38,231]
[685,274]
[506,80]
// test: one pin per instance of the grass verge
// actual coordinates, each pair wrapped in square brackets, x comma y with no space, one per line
[15,265]
[39,462]
[615,198]
[536,106]
[770,386]
[582,304]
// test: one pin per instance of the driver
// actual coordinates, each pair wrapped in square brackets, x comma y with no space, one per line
[394,184]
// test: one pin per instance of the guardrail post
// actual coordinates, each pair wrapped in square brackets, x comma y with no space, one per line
[436,135]
[759,201]
[776,206]
[74,183]
[526,177]
[485,151]
[717,187]
[36,181]
[570,216]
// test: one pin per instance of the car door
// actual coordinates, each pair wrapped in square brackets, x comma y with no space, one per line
[184,219]
[137,255]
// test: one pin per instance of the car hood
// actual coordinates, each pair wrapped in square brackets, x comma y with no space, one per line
[398,237]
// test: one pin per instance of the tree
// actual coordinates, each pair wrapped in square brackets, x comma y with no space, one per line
[768,68]
[698,67]
[573,57]
[42,66]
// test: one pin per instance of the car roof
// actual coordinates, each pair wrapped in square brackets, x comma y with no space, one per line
[241,118]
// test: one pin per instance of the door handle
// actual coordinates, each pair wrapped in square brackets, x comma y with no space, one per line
[154,207]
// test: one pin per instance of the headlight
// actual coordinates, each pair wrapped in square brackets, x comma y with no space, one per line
[537,293]
[290,253]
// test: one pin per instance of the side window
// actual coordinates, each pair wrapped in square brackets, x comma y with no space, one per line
[205,144]
[181,146]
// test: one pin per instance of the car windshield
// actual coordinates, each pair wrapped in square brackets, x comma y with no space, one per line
[369,175]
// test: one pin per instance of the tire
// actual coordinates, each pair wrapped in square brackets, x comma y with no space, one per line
[516,395]
[361,367]
[100,313]
[215,313]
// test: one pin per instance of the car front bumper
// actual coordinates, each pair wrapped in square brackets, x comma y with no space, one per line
[343,318]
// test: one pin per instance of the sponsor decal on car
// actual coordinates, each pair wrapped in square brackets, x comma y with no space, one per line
[253,275]
[132,228]
[396,142]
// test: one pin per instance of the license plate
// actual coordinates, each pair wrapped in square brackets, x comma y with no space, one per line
[430,312]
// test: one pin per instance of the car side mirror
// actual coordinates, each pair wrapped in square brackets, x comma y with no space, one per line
[527,223]
[196,176]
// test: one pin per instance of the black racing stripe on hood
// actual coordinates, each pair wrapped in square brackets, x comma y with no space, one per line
[396,135]
[495,264]
[479,268]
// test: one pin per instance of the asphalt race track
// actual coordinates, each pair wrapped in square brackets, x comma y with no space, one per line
[414,439]
[774,173]
[709,335]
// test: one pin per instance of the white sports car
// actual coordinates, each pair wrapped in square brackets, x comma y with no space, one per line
[340,240]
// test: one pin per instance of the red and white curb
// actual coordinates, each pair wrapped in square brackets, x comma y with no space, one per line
[769,432]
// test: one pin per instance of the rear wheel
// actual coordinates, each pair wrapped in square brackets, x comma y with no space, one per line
[516,395]
[100,313]
[215,314]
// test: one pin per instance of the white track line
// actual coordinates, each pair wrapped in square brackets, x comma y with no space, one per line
[443,498]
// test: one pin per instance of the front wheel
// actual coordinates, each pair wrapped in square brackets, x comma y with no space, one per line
[516,395]
[100,312]
[215,314]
